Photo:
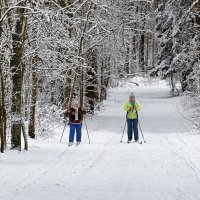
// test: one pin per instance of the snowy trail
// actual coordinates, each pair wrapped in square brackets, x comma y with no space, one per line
[166,168]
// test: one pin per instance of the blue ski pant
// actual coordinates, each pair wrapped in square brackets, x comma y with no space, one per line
[132,128]
[75,128]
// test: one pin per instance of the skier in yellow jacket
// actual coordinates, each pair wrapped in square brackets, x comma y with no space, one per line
[132,107]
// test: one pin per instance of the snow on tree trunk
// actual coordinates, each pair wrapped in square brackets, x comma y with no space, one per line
[17,70]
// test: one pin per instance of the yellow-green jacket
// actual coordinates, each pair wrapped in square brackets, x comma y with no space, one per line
[132,114]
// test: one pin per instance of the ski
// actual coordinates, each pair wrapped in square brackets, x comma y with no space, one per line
[70,144]
[138,142]
[78,143]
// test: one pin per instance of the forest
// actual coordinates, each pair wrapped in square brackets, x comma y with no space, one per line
[54,51]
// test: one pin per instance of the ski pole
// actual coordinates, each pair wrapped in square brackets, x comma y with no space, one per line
[141,132]
[87,130]
[123,132]
[63,131]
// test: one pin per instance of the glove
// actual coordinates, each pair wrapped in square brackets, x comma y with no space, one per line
[133,108]
[64,120]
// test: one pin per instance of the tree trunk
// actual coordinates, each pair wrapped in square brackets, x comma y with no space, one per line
[1,129]
[141,53]
[1,120]
[153,41]
[104,80]
[91,88]
[172,83]
[24,135]
[103,87]
[31,126]
[82,88]
[155,4]
[2,101]
[184,82]
[67,89]
[16,66]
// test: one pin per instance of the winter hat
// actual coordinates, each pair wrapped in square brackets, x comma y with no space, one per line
[132,95]
[75,103]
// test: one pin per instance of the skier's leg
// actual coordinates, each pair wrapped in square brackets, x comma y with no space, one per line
[72,132]
[135,129]
[130,129]
[78,132]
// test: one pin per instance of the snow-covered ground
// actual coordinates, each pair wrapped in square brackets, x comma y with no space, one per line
[167,167]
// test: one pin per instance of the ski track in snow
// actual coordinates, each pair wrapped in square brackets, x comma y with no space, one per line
[165,168]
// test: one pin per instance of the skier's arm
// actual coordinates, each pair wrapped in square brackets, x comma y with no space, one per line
[127,107]
[67,113]
[138,106]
